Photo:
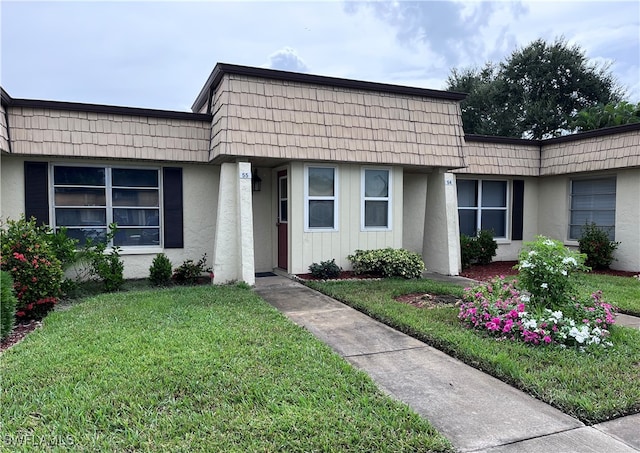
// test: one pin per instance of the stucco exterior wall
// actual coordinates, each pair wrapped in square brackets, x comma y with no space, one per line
[414,206]
[306,248]
[628,220]
[292,120]
[200,188]
[264,221]
[554,205]
[65,133]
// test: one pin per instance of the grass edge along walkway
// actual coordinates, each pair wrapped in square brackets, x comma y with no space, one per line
[593,387]
[193,369]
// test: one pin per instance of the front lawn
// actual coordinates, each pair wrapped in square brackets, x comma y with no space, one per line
[192,369]
[623,292]
[590,386]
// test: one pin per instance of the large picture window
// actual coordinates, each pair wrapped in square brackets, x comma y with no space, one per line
[87,199]
[320,198]
[593,200]
[483,205]
[376,199]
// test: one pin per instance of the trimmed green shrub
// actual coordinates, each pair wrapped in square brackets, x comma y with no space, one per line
[108,267]
[468,250]
[8,303]
[189,272]
[326,269]
[29,258]
[160,270]
[479,249]
[387,262]
[596,245]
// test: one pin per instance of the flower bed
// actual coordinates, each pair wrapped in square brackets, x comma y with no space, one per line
[542,307]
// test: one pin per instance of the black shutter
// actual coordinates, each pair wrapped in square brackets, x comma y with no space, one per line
[517,213]
[36,191]
[172,192]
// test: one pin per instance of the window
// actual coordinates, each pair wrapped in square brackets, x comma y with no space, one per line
[376,190]
[482,205]
[320,198]
[87,199]
[593,200]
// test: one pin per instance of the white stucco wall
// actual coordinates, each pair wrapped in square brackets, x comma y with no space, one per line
[554,204]
[264,221]
[628,220]
[441,250]
[312,247]
[200,188]
[415,196]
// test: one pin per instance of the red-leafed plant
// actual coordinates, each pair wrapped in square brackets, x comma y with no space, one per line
[28,255]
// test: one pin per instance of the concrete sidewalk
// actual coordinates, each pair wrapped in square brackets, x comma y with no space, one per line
[477,412]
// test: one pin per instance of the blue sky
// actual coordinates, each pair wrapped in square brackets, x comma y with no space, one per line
[159,54]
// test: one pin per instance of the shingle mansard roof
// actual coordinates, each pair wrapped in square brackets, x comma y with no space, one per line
[224,68]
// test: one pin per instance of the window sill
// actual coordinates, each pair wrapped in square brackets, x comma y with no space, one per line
[140,250]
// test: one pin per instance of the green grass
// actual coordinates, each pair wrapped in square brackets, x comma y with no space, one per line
[192,369]
[590,386]
[623,292]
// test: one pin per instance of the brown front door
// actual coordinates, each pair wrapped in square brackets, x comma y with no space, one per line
[283,218]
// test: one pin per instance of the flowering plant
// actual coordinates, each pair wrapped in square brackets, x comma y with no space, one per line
[501,310]
[37,274]
[545,268]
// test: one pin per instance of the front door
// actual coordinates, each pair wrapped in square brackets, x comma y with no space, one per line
[283,218]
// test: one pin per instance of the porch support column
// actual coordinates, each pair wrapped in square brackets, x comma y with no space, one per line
[233,258]
[441,245]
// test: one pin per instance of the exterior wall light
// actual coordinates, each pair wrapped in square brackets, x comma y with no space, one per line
[256,181]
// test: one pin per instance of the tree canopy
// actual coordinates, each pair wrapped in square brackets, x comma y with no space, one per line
[601,115]
[534,93]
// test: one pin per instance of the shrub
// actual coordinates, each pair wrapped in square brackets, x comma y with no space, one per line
[108,267]
[545,268]
[387,263]
[326,269]
[160,270]
[468,250]
[189,272]
[37,273]
[477,250]
[595,244]
[7,305]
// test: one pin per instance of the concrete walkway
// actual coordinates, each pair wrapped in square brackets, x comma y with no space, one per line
[476,412]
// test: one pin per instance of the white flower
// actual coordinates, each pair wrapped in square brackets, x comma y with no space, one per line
[563,272]
[530,324]
[569,260]
[544,286]
[548,242]
[557,314]
[526,264]
[525,298]
[579,334]
[533,253]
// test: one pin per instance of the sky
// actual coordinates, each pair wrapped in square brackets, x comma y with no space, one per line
[159,54]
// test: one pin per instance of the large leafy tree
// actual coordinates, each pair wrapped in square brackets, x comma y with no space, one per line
[608,115]
[534,93]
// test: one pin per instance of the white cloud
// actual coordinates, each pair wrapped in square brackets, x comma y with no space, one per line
[287,60]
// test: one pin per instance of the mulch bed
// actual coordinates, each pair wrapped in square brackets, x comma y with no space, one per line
[20,331]
[497,268]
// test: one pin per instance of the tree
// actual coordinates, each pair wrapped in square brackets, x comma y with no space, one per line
[599,116]
[534,93]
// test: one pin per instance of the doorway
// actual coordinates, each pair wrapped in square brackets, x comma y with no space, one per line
[283,220]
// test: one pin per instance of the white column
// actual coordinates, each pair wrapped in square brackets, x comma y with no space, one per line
[233,258]
[441,245]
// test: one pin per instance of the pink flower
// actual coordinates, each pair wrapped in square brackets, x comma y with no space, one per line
[547,339]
